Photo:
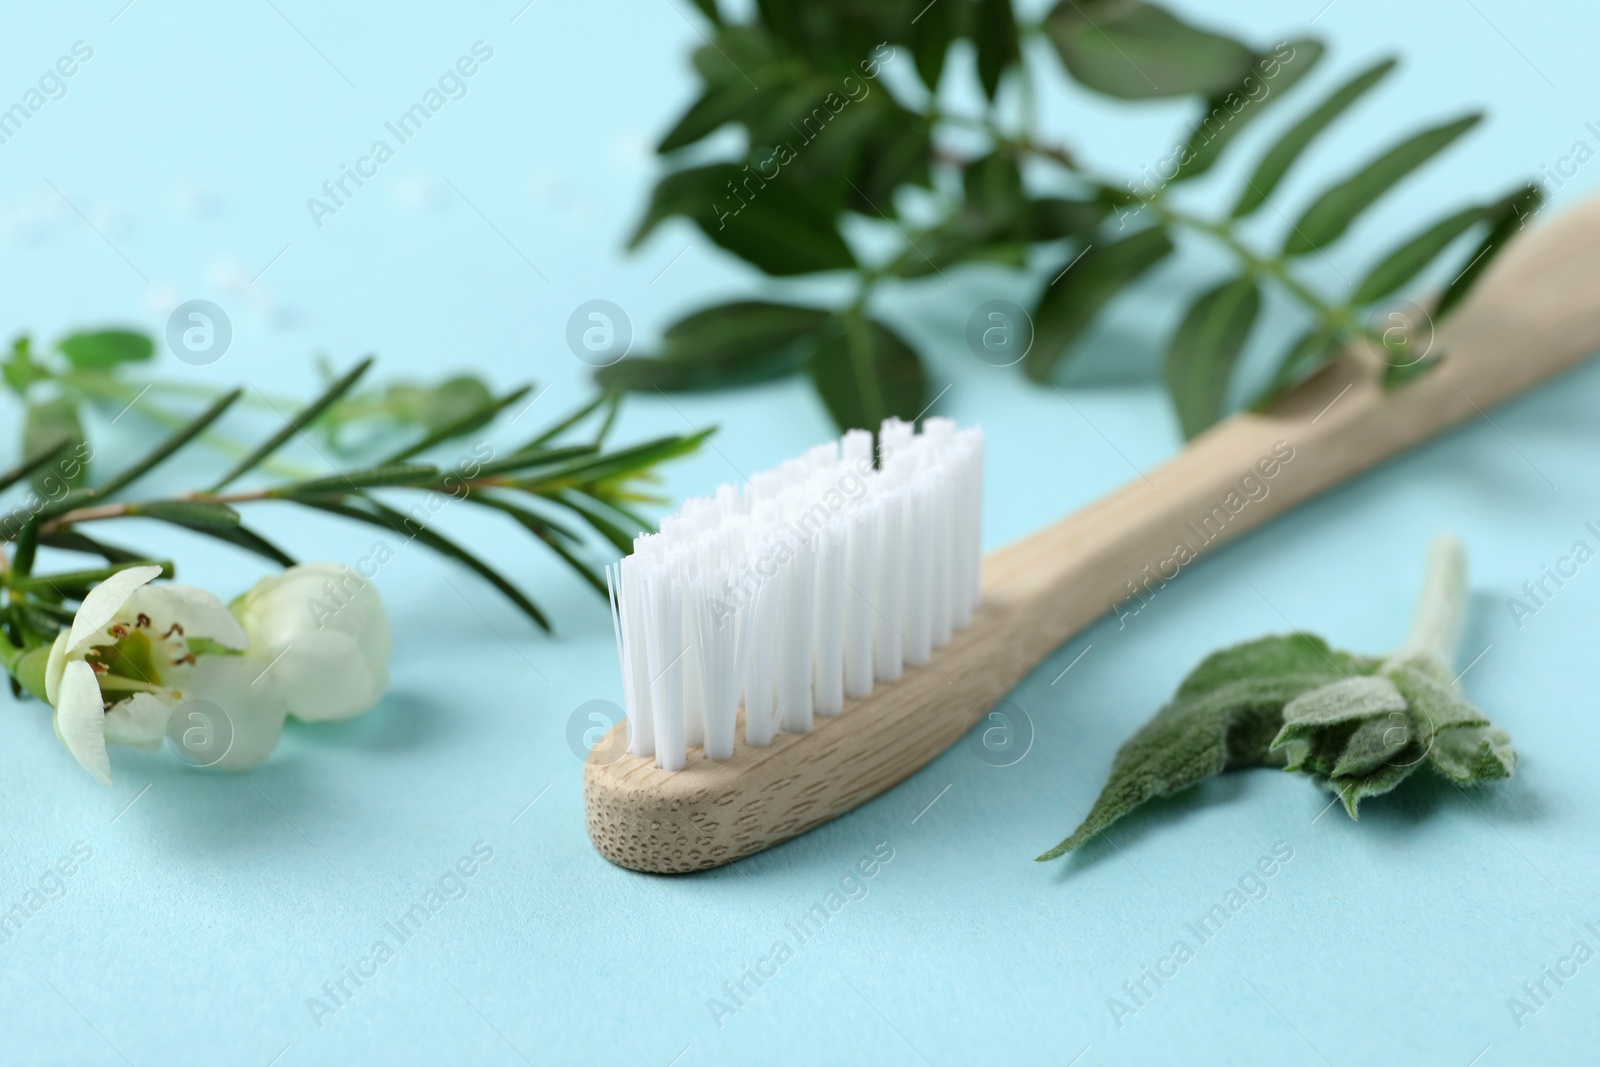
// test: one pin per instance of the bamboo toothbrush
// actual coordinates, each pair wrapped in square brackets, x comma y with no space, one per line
[832,715]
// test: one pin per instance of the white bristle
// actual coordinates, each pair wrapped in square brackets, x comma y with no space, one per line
[800,589]
[663,644]
[828,633]
[888,647]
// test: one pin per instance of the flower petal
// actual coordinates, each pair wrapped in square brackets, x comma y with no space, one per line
[104,601]
[324,677]
[253,714]
[54,666]
[81,719]
[325,631]
[197,611]
[139,720]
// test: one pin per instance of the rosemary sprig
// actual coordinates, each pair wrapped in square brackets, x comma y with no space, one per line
[539,485]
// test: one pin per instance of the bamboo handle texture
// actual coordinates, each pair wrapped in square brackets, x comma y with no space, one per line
[1534,314]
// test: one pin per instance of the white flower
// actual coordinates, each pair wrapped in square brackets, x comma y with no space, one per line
[325,633]
[127,662]
[234,718]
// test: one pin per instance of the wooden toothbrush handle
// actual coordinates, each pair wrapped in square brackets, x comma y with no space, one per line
[1535,313]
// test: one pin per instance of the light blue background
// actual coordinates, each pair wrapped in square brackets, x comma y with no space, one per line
[214,907]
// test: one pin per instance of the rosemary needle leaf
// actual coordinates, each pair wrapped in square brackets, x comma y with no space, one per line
[389,474]
[301,419]
[34,463]
[195,514]
[70,540]
[472,420]
[171,444]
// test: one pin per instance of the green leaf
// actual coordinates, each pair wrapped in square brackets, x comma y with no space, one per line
[1506,218]
[996,38]
[1053,218]
[1078,293]
[44,619]
[1471,754]
[249,540]
[70,540]
[1436,703]
[725,371]
[191,513]
[52,444]
[865,372]
[623,463]
[303,418]
[1138,51]
[1376,742]
[26,546]
[1410,257]
[371,478]
[716,107]
[541,528]
[708,8]
[19,370]
[898,151]
[1333,212]
[437,406]
[218,526]
[1349,699]
[591,513]
[1363,736]
[1382,780]
[565,423]
[995,200]
[70,583]
[1296,655]
[1282,155]
[476,419]
[773,225]
[532,459]
[174,441]
[104,349]
[721,347]
[739,327]
[1228,113]
[1224,715]
[1309,353]
[1202,352]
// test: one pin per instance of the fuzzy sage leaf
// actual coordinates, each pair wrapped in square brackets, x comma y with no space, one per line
[1355,725]
[1226,714]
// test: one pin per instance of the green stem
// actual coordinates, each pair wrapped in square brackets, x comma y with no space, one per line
[74,579]
[1339,317]
[1274,267]
[1441,607]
